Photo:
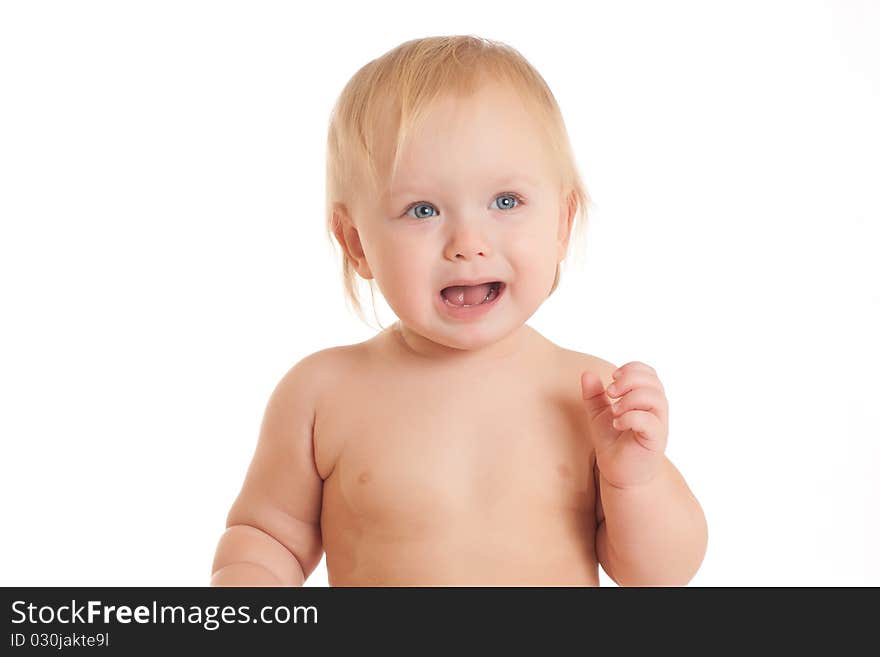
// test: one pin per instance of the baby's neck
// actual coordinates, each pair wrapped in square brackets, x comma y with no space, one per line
[519,343]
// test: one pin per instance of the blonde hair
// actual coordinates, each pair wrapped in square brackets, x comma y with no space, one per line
[391,94]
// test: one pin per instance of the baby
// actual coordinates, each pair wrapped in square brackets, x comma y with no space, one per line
[459,446]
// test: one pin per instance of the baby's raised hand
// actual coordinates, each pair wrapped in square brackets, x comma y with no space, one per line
[629,435]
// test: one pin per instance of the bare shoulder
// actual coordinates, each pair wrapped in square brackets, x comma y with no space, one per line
[309,377]
[314,384]
[580,362]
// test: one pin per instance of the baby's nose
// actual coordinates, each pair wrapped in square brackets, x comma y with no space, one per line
[467,243]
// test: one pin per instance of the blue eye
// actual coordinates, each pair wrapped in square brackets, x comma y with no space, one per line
[419,205]
[514,201]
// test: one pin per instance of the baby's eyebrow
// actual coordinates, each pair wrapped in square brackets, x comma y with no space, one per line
[508,181]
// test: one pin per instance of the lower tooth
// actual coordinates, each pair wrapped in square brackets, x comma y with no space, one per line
[471,305]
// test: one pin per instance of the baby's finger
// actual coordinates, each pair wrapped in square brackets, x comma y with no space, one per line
[631,380]
[646,427]
[592,392]
[634,366]
[642,399]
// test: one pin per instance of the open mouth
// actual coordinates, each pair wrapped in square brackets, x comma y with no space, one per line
[465,296]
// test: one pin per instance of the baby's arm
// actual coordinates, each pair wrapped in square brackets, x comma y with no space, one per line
[273,535]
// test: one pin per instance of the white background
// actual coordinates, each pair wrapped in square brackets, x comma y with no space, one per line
[163,261]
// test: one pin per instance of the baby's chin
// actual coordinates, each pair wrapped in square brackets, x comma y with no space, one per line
[466,339]
[444,339]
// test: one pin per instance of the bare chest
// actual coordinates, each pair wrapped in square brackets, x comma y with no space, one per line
[425,453]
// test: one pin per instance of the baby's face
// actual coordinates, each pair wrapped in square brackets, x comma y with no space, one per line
[476,197]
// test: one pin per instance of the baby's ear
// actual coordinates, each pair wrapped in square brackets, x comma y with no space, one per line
[567,209]
[346,234]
